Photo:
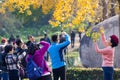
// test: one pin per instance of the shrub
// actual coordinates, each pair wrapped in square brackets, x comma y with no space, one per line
[89,74]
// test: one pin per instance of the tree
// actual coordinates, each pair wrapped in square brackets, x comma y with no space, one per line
[105,9]
[62,9]
[65,13]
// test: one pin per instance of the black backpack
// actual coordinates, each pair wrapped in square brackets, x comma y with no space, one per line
[3,65]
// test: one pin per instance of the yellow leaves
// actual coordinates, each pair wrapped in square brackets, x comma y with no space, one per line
[29,12]
[36,4]
[21,6]
[75,21]
[68,25]
[47,5]
[88,32]
[55,24]
[21,10]
[76,11]
[83,10]
[62,10]
[2,10]
[102,30]
[81,29]
[10,9]
[95,36]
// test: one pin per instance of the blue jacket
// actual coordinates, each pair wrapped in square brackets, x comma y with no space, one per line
[57,54]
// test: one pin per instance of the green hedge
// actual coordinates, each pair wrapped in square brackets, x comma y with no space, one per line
[89,74]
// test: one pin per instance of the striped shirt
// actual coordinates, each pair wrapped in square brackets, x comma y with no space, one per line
[12,60]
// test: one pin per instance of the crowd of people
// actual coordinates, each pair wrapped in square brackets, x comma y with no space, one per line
[14,53]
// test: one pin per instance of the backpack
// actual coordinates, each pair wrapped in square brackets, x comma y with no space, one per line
[32,70]
[3,65]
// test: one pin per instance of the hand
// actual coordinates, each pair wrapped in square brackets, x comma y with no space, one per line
[24,46]
[94,41]
[64,33]
[102,30]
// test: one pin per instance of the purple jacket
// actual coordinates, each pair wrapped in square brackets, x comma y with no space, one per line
[39,56]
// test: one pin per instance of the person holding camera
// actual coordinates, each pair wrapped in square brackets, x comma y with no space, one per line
[38,51]
[57,56]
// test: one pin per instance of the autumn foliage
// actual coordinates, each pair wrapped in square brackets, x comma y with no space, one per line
[66,13]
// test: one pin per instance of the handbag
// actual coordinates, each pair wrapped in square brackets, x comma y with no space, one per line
[33,70]
[21,71]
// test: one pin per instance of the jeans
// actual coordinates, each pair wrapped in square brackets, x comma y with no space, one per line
[4,76]
[14,75]
[108,73]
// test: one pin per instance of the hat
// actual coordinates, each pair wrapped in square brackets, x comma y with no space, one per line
[3,40]
[114,38]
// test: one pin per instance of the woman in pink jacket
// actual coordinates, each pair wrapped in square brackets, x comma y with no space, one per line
[39,57]
[108,55]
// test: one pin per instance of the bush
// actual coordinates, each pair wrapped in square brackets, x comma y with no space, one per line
[71,58]
[89,74]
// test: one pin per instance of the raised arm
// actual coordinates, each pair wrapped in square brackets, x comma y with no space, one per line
[104,40]
[66,42]
[43,49]
[100,51]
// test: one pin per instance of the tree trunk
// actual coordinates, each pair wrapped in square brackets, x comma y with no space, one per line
[104,4]
[112,8]
[119,17]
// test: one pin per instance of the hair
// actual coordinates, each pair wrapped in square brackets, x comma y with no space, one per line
[32,48]
[8,48]
[114,40]
[45,34]
[113,43]
[30,36]
[54,38]
[18,42]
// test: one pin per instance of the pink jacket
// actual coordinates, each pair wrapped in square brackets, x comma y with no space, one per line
[107,53]
[39,56]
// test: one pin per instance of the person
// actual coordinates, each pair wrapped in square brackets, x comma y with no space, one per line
[17,37]
[47,39]
[31,39]
[11,39]
[3,44]
[11,62]
[39,53]
[4,73]
[21,48]
[62,39]
[72,35]
[57,56]
[108,55]
[80,33]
